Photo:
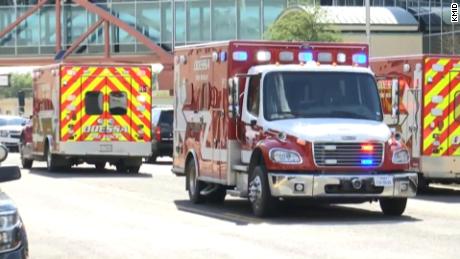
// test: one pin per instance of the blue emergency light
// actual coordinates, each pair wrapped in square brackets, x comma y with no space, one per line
[366,162]
[305,56]
[359,58]
[240,56]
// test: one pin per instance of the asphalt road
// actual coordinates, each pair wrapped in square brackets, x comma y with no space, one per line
[83,213]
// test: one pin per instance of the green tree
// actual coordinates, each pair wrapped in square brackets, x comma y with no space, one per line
[19,82]
[307,24]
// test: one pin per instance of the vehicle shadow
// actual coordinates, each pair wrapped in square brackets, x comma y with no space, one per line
[440,194]
[239,212]
[78,172]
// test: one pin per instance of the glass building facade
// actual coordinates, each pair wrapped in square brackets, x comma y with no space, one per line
[196,21]
[440,36]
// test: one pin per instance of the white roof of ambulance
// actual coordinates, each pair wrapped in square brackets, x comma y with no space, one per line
[308,68]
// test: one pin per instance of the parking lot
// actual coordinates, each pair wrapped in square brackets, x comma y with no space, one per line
[83,213]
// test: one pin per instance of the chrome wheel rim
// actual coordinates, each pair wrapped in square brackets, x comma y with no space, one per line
[255,190]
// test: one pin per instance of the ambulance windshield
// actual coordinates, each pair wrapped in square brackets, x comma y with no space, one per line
[290,95]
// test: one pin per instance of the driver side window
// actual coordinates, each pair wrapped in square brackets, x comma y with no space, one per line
[254,95]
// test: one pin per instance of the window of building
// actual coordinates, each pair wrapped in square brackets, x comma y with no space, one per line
[223,20]
[249,19]
[254,95]
[118,103]
[94,103]
[272,9]
[199,23]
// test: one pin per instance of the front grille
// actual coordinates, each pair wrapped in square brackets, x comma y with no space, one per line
[348,154]
[15,136]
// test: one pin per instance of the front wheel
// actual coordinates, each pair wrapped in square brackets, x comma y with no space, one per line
[26,163]
[393,206]
[50,160]
[194,186]
[263,204]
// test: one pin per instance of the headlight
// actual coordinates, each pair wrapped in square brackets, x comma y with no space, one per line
[3,133]
[10,231]
[284,156]
[401,156]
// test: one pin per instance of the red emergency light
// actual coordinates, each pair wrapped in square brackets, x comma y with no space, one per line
[367,148]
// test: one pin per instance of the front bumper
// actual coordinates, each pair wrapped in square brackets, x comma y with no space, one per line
[342,185]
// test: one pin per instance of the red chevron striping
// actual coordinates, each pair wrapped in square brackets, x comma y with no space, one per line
[445,93]
[72,80]
[80,106]
[443,137]
[439,76]
[88,80]
[128,120]
[134,92]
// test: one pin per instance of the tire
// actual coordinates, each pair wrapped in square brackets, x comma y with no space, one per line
[50,160]
[26,163]
[152,159]
[423,184]
[217,196]
[100,166]
[194,186]
[393,206]
[262,202]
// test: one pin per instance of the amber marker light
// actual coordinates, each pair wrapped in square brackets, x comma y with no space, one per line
[367,148]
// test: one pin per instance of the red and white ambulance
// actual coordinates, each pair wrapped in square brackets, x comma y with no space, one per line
[270,121]
[421,101]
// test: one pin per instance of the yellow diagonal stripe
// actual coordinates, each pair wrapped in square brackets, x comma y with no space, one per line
[431,73]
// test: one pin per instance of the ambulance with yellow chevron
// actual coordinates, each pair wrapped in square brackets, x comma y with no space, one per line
[96,114]
[421,100]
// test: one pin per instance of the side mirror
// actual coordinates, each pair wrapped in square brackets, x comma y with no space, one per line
[9,173]
[3,153]
[395,98]
[233,97]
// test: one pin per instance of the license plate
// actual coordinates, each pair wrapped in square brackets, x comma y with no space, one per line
[383,180]
[105,148]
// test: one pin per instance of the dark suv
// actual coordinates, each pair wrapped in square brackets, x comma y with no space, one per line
[162,132]
[13,238]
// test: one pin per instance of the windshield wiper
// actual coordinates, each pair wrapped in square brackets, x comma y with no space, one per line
[345,114]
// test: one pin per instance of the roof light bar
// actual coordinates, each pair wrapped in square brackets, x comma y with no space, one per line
[264,56]
[286,56]
[305,56]
[341,57]
[325,57]
[240,56]
[359,58]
